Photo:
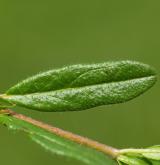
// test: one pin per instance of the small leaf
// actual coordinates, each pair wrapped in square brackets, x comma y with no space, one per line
[56,144]
[129,160]
[154,156]
[153,153]
[81,87]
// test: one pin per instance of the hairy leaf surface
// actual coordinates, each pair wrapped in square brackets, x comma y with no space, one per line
[81,87]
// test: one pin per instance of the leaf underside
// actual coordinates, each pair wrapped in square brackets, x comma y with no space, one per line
[81,87]
[56,144]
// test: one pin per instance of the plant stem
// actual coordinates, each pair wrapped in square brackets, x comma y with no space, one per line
[110,151]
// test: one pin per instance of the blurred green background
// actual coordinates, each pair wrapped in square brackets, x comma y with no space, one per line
[40,35]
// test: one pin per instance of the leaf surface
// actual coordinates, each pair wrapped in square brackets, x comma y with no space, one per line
[81,87]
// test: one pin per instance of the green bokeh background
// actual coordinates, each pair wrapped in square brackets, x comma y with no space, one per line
[40,35]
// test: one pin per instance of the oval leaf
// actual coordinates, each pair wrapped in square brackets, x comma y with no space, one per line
[81,87]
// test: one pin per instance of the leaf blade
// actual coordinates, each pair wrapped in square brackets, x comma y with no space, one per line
[83,98]
[81,87]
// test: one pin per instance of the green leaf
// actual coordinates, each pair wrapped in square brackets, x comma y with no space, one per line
[81,87]
[154,153]
[56,144]
[154,156]
[130,160]
[151,155]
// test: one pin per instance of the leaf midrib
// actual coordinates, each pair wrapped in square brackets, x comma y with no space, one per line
[112,82]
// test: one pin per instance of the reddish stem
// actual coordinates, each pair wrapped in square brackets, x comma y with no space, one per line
[66,134]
